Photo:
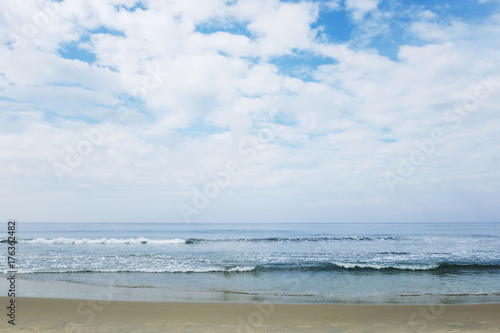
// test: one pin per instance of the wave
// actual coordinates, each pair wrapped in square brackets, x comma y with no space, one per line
[236,269]
[389,268]
[305,239]
[142,240]
[443,268]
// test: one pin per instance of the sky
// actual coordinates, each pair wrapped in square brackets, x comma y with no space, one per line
[250,111]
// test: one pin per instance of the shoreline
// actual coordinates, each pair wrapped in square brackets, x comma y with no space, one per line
[56,289]
[79,315]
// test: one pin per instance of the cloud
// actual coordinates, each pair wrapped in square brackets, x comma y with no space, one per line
[332,4]
[360,7]
[433,31]
[189,87]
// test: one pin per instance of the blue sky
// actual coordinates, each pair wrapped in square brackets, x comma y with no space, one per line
[250,111]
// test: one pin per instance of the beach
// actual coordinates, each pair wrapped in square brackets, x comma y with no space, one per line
[68,315]
[254,278]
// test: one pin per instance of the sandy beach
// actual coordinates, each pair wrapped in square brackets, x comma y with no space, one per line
[67,315]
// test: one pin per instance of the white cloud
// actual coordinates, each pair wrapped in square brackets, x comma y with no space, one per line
[360,7]
[427,15]
[216,89]
[280,27]
[433,31]
[332,4]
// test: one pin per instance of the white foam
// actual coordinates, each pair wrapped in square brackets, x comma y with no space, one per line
[242,269]
[172,269]
[382,266]
[140,240]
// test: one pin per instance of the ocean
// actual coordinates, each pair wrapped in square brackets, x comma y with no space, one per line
[304,263]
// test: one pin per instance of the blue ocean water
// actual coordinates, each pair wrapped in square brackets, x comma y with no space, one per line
[405,263]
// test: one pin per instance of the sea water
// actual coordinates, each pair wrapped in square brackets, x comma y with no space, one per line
[336,263]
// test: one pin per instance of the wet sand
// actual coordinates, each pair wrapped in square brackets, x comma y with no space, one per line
[69,315]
